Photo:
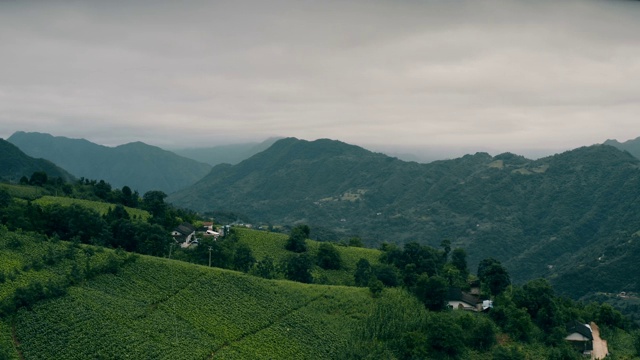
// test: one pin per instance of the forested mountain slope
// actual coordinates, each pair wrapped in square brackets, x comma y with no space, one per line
[14,164]
[140,166]
[547,217]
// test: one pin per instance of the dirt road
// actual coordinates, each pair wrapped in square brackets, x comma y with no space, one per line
[600,349]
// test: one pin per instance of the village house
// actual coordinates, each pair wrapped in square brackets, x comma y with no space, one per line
[184,234]
[581,336]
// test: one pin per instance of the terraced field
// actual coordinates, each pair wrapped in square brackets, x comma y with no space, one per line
[100,207]
[163,309]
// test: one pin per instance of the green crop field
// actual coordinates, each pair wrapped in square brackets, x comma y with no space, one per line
[100,207]
[163,309]
[264,244]
[23,191]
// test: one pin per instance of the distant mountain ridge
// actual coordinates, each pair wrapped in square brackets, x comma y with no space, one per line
[548,217]
[632,146]
[225,154]
[14,164]
[140,166]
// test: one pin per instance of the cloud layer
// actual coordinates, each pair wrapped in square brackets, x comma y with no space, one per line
[506,75]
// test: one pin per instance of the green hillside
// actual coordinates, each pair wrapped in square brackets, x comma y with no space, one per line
[163,309]
[140,166]
[547,217]
[61,300]
[100,207]
[265,244]
[14,164]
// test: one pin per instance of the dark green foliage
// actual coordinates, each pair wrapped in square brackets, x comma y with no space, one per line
[5,198]
[375,287]
[432,292]
[459,261]
[153,202]
[388,274]
[328,257]
[297,239]
[355,242]
[567,209]
[297,267]
[363,273]
[243,258]
[266,268]
[443,338]
[493,275]
[424,259]
[508,353]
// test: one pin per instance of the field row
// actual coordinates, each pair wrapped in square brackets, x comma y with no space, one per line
[162,309]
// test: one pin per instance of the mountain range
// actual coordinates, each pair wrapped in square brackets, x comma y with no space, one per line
[569,217]
[225,154]
[140,166]
[16,164]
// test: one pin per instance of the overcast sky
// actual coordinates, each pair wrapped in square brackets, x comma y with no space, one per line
[519,76]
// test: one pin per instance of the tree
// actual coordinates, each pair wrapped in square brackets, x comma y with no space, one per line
[459,260]
[355,242]
[493,275]
[265,268]
[297,267]
[243,258]
[446,247]
[375,287]
[5,198]
[363,272]
[297,239]
[388,274]
[153,201]
[129,198]
[38,178]
[328,257]
[432,291]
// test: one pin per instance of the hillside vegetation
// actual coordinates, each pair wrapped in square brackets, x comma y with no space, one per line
[100,207]
[567,215]
[163,309]
[68,301]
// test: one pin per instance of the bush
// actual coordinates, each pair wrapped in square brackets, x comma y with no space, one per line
[328,257]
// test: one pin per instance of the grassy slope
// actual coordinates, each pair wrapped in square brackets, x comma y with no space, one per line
[23,191]
[100,207]
[162,309]
[159,308]
[272,244]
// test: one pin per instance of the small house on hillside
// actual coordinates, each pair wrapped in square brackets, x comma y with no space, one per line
[460,300]
[183,233]
[580,336]
[207,225]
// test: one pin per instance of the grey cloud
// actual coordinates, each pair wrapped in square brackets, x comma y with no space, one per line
[509,75]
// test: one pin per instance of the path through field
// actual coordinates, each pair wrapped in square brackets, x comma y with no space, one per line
[600,349]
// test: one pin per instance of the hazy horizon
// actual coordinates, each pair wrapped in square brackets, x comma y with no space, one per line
[532,78]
